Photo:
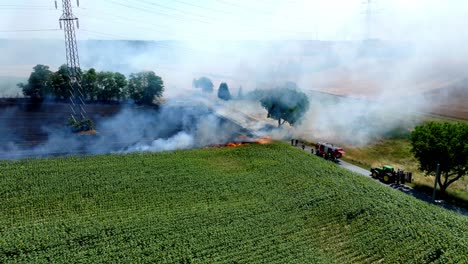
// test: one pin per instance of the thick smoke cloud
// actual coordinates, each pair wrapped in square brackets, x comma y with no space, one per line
[417,47]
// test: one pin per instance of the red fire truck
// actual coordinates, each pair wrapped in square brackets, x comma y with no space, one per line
[329,151]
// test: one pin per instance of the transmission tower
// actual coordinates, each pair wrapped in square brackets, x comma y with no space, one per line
[369,17]
[67,23]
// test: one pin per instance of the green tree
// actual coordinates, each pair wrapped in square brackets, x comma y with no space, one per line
[121,84]
[284,104]
[240,94]
[204,83]
[89,84]
[144,87]
[223,92]
[110,86]
[60,82]
[39,83]
[445,144]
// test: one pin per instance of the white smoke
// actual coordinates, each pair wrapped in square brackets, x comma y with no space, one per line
[181,140]
[418,47]
[185,124]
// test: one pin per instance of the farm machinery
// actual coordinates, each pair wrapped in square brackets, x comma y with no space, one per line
[329,151]
[387,174]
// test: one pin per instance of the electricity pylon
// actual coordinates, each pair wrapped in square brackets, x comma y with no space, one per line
[369,19]
[67,23]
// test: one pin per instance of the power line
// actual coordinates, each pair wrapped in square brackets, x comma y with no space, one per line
[24,8]
[180,15]
[370,14]
[200,7]
[31,30]
[246,8]
[211,20]
[182,12]
[103,33]
[125,21]
[152,11]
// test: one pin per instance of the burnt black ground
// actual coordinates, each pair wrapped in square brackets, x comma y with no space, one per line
[30,131]
[26,123]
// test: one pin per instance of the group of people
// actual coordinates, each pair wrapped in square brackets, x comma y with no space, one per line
[295,142]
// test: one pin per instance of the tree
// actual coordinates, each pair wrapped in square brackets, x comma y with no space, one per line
[60,82]
[110,86]
[89,84]
[240,94]
[204,83]
[121,84]
[144,87]
[223,92]
[82,125]
[445,144]
[38,85]
[284,104]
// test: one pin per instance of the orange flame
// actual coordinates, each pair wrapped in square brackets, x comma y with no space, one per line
[263,140]
[88,133]
[233,145]
[244,141]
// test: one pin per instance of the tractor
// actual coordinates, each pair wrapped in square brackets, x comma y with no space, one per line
[387,174]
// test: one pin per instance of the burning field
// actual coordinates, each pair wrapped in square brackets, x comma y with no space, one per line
[244,141]
[120,129]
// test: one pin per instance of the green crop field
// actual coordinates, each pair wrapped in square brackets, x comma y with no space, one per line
[250,204]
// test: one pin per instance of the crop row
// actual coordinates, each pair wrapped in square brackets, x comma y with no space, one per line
[250,204]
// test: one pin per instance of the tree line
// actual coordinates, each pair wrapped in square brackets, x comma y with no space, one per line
[105,86]
[284,103]
[206,85]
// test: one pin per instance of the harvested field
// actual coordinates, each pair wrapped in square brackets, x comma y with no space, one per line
[450,102]
[28,123]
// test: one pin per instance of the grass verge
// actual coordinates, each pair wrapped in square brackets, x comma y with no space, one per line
[397,152]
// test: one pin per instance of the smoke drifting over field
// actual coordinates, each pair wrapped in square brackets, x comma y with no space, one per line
[417,48]
[172,127]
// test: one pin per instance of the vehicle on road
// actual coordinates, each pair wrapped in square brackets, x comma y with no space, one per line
[387,174]
[329,151]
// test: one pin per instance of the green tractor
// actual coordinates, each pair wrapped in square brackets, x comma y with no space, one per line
[387,174]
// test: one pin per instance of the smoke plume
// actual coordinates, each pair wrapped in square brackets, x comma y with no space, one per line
[359,90]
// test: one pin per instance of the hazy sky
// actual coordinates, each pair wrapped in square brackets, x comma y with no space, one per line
[238,19]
